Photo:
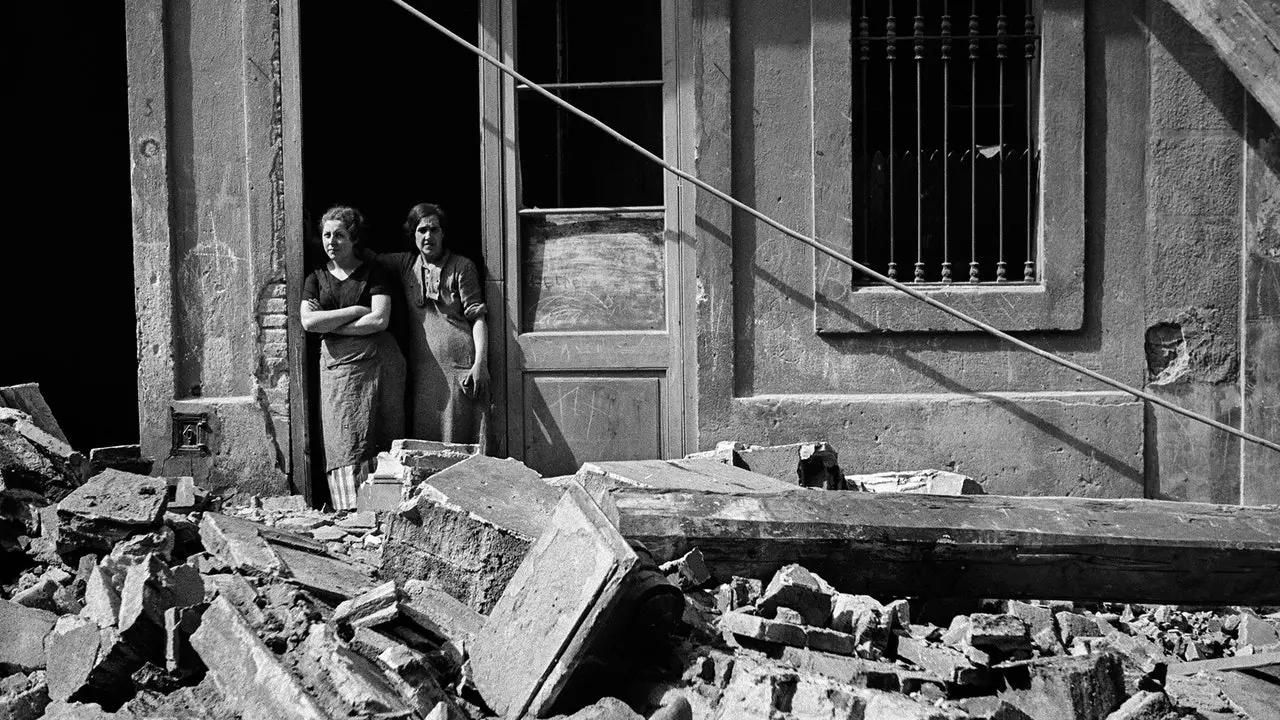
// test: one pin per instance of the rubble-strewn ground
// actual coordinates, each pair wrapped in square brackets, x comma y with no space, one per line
[127,596]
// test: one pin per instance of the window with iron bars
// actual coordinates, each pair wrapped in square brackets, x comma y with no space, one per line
[945,160]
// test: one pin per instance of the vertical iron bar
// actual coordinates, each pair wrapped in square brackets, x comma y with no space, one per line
[946,141]
[560,63]
[973,141]
[1002,44]
[864,35]
[1029,52]
[918,32]
[891,53]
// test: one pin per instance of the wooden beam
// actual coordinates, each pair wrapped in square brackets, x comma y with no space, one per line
[1246,36]
[973,546]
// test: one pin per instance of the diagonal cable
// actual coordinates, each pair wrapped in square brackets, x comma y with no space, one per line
[836,255]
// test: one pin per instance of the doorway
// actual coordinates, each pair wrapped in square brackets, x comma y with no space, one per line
[390,118]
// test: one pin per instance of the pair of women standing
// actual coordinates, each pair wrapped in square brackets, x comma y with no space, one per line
[362,371]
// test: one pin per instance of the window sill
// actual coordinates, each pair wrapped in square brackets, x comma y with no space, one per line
[1011,307]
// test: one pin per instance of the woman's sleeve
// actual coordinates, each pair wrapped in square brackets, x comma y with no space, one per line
[469,288]
[311,288]
[380,282]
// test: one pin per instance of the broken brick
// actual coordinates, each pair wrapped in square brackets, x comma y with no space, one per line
[1072,625]
[687,571]
[1003,633]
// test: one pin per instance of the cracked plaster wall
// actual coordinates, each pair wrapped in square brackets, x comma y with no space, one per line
[226,247]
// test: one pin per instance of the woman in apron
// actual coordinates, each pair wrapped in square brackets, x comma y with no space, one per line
[447,332]
[348,302]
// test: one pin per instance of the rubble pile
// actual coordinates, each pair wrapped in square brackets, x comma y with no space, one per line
[484,590]
[796,647]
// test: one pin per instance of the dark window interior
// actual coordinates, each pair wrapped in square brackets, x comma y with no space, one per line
[564,162]
[895,149]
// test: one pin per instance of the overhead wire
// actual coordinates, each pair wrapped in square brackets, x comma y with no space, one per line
[830,252]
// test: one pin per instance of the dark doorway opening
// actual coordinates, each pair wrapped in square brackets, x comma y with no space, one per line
[70,270]
[390,118]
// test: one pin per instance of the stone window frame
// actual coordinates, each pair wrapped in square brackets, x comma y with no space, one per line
[1056,302]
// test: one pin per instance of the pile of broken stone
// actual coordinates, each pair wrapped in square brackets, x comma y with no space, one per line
[130,596]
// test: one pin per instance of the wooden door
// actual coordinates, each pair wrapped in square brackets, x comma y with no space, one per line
[592,280]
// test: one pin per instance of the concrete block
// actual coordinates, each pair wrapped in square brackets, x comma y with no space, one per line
[1072,625]
[102,597]
[72,653]
[1065,688]
[946,662]
[864,618]
[1145,705]
[1255,631]
[27,398]
[253,680]
[690,475]
[110,507]
[70,467]
[238,543]
[360,688]
[468,528]
[1002,633]
[120,457]
[1036,617]
[687,571]
[918,482]
[738,592]
[843,668]
[23,696]
[795,587]
[810,464]
[22,634]
[555,609]
[379,605]
[608,708]
[439,612]
[755,627]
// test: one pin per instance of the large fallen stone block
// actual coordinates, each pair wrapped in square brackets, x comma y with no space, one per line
[468,528]
[795,587]
[109,508]
[344,683]
[688,475]
[252,678]
[22,634]
[554,611]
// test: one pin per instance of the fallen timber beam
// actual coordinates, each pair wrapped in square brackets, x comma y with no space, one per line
[973,546]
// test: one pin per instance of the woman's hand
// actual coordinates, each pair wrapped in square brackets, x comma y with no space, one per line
[476,384]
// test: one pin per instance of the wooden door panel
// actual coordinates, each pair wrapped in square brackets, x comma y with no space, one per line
[574,418]
[591,272]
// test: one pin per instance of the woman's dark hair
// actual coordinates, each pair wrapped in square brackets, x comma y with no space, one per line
[420,212]
[350,218]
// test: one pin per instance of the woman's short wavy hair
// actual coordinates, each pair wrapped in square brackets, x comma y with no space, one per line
[350,218]
[420,212]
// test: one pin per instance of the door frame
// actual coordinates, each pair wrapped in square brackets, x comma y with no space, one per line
[502,228]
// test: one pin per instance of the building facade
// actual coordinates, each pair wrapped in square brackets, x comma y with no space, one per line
[1122,211]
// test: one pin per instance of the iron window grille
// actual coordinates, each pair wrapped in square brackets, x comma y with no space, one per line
[945,150]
